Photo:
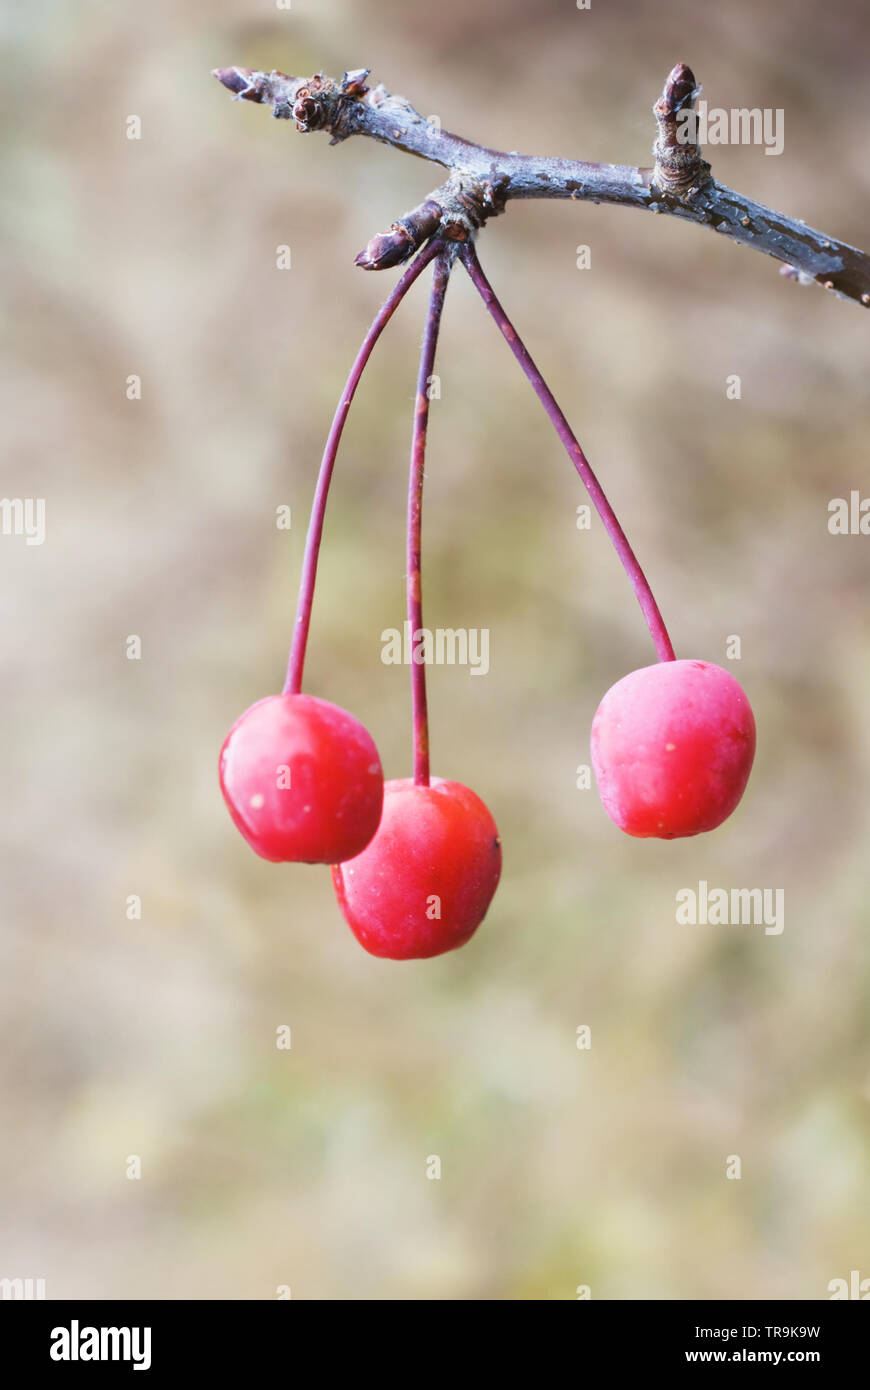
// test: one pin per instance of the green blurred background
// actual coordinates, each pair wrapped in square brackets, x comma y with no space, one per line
[156,1037]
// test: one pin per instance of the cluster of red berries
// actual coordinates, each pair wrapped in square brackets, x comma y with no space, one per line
[414,867]
[415,862]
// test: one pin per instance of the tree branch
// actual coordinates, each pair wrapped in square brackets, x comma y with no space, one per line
[481,181]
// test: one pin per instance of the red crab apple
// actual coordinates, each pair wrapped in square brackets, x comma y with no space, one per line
[302,780]
[424,883]
[672,748]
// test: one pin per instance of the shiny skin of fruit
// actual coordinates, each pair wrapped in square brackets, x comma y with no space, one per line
[302,780]
[424,883]
[672,748]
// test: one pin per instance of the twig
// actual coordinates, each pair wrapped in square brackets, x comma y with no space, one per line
[415,516]
[638,579]
[293,683]
[481,181]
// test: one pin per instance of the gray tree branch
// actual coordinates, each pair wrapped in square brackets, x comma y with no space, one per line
[482,181]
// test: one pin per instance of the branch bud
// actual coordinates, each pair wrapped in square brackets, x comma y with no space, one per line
[679,164]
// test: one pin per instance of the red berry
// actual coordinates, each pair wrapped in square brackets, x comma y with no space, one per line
[424,883]
[672,748]
[302,780]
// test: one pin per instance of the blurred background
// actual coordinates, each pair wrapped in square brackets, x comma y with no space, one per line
[156,1037]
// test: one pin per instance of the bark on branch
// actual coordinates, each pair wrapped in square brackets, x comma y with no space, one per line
[482,181]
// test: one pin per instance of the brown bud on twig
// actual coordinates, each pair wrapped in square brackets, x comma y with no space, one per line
[386,249]
[239,82]
[391,248]
[353,83]
[234,79]
[315,103]
[307,114]
[679,165]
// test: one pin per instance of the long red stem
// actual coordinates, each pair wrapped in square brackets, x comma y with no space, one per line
[649,607]
[296,663]
[415,519]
